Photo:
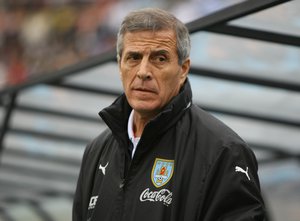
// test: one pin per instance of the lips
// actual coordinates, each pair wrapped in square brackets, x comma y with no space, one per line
[144,89]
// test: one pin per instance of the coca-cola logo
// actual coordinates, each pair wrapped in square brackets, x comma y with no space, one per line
[163,195]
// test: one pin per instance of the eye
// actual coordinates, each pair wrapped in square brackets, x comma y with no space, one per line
[159,59]
[133,57]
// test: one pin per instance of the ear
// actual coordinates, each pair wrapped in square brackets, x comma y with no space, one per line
[185,67]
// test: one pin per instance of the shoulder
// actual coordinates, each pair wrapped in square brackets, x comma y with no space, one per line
[99,141]
[210,126]
[95,148]
[220,144]
[212,133]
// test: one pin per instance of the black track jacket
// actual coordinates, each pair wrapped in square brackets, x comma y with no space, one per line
[188,166]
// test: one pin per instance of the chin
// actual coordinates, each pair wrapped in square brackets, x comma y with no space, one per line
[141,107]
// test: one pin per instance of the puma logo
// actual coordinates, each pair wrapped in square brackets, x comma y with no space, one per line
[239,169]
[103,168]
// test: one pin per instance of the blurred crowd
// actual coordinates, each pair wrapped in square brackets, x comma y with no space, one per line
[37,36]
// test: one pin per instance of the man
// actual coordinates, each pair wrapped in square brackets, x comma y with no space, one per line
[163,158]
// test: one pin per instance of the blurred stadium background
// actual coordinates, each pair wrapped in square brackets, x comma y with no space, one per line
[58,70]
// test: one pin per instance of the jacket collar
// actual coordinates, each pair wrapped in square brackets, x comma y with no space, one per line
[116,115]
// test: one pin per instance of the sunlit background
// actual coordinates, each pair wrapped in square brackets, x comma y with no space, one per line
[251,85]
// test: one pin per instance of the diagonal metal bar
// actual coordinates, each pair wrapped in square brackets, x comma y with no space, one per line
[48,135]
[256,34]
[291,86]
[259,117]
[8,111]
[274,159]
[86,88]
[228,14]
[58,113]
[88,63]
[278,152]
[61,159]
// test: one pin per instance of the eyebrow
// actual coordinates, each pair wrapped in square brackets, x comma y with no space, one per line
[133,53]
[160,52]
[154,52]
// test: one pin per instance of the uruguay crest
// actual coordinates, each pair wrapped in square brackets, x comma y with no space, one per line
[162,172]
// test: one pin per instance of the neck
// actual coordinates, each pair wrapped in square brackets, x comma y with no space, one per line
[139,123]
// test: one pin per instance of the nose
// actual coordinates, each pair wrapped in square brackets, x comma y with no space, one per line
[145,76]
[144,71]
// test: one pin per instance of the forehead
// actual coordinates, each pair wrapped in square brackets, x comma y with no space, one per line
[141,40]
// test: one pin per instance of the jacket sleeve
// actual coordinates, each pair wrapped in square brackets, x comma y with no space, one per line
[78,212]
[86,177]
[232,190]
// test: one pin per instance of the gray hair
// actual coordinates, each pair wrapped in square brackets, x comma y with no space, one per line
[155,19]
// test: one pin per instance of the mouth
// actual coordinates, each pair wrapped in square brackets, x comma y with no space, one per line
[145,90]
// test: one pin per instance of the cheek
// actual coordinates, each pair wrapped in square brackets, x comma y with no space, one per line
[170,87]
[125,82]
[172,80]
[127,78]
[125,73]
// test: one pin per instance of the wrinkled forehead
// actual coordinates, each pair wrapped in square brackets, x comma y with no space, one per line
[150,39]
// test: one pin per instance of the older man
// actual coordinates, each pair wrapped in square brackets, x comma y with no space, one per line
[162,157]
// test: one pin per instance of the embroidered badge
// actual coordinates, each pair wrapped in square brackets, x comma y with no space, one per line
[162,172]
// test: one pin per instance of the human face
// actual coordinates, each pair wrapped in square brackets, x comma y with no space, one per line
[149,70]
